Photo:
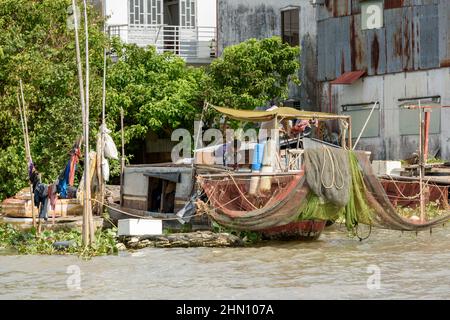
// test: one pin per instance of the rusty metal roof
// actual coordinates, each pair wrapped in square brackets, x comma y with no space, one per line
[348,77]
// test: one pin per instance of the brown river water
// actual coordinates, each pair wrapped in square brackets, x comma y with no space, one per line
[388,265]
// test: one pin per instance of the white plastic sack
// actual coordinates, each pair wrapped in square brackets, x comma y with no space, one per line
[105,169]
[110,148]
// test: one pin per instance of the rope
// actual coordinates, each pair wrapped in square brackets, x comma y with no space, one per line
[410,197]
[326,150]
[241,193]
[365,238]
[344,129]
[145,217]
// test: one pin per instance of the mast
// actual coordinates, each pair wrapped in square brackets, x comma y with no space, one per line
[23,119]
[85,229]
[421,165]
[87,193]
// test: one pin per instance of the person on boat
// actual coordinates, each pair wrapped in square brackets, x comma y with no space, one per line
[302,126]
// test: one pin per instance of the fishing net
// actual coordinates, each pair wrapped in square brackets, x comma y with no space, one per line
[231,193]
[355,210]
[328,174]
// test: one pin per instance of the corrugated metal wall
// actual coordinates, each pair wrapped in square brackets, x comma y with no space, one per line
[415,36]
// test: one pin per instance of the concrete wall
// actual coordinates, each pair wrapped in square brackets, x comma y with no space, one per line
[117,11]
[388,89]
[206,13]
[240,20]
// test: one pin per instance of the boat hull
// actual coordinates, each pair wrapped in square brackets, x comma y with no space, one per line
[306,230]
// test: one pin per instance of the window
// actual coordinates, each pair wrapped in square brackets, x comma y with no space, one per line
[359,114]
[143,12]
[409,118]
[290,27]
[187,13]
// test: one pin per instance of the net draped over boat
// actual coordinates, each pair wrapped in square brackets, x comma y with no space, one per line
[334,183]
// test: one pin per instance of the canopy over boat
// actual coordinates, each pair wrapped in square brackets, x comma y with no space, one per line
[282,112]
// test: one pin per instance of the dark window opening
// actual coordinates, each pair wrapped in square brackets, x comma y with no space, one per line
[161,195]
[290,27]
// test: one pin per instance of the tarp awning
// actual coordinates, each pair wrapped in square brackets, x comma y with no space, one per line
[282,112]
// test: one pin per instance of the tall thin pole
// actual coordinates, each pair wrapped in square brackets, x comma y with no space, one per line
[87,184]
[102,133]
[122,158]
[421,166]
[27,152]
[85,229]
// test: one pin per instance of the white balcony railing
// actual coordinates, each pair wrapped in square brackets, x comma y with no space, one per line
[191,43]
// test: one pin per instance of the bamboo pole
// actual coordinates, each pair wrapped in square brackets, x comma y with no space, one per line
[102,136]
[87,193]
[23,115]
[421,166]
[122,158]
[27,158]
[85,229]
[350,133]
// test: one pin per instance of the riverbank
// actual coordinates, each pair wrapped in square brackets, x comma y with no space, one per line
[64,241]
[56,242]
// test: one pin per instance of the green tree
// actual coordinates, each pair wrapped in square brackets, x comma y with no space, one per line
[157,92]
[37,47]
[252,73]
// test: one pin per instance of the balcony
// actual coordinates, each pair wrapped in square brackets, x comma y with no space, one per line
[197,45]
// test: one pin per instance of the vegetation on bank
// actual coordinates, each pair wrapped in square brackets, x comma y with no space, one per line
[158,92]
[29,242]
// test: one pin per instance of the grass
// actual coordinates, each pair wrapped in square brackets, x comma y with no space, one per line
[29,242]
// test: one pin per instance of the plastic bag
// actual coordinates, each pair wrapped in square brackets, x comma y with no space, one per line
[110,148]
[105,169]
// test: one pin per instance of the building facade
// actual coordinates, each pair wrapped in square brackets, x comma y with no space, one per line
[185,27]
[356,53]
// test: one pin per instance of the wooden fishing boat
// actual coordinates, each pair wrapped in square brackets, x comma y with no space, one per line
[277,211]
[20,206]
[274,211]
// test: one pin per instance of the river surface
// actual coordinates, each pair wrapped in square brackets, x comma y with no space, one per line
[334,267]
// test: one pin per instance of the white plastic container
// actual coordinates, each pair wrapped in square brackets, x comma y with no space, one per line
[381,167]
[139,227]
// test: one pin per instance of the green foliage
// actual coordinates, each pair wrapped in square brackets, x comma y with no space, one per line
[157,92]
[37,47]
[252,73]
[433,209]
[28,242]
[249,237]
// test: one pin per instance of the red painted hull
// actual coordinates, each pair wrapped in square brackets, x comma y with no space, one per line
[300,230]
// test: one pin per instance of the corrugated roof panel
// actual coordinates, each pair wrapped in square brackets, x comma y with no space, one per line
[376,51]
[429,36]
[331,26]
[321,50]
[342,53]
[393,25]
[416,37]
[407,39]
[444,33]
[356,7]
[357,44]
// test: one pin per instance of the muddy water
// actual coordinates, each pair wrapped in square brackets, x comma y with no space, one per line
[335,267]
